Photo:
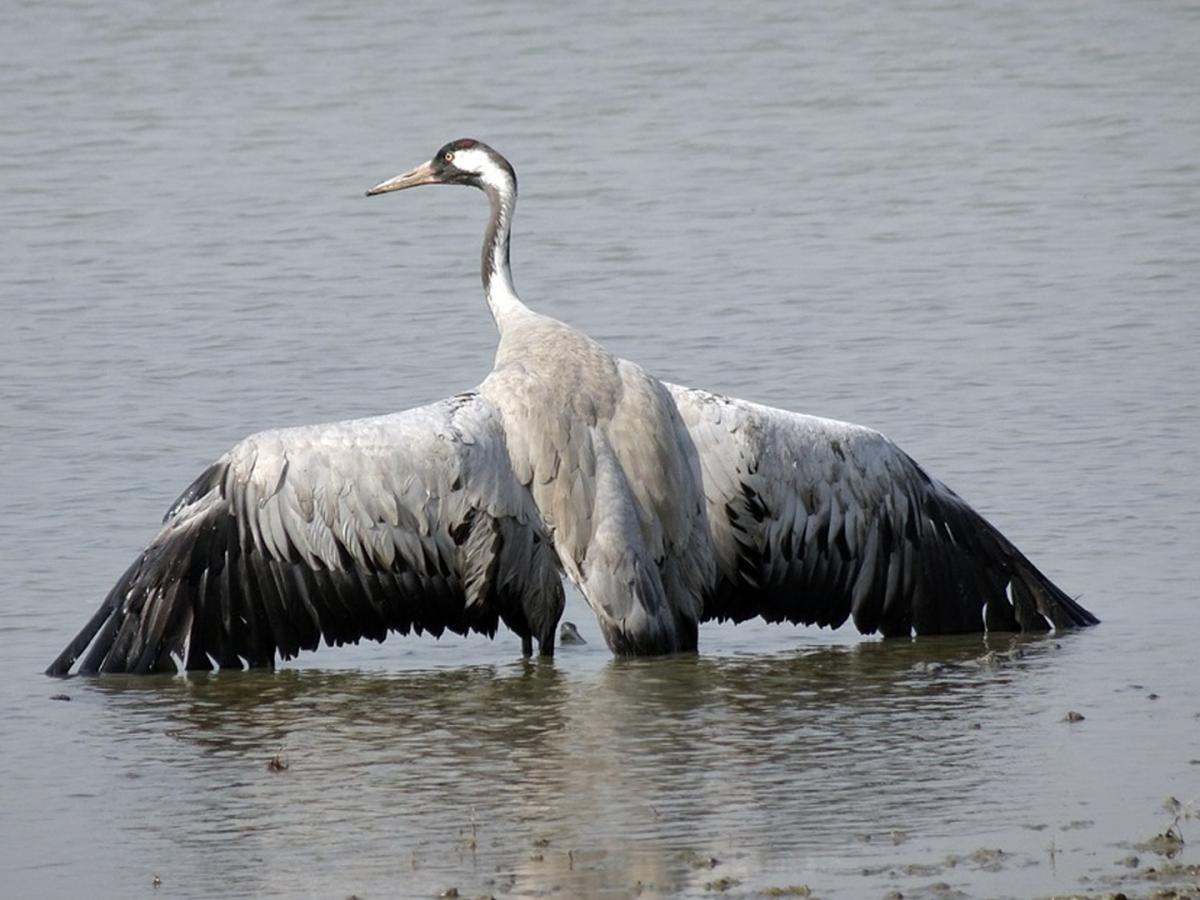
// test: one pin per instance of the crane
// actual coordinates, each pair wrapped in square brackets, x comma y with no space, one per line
[665,505]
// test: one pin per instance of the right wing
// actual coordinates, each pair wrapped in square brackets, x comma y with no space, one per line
[343,531]
[817,521]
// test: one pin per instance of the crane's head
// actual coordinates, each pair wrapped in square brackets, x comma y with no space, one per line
[459,162]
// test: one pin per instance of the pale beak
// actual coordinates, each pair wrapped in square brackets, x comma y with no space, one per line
[422,174]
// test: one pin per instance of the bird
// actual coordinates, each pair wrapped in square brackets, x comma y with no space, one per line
[666,506]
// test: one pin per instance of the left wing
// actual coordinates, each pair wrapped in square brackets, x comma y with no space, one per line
[340,531]
[817,521]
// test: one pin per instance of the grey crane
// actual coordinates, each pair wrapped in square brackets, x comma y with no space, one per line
[666,506]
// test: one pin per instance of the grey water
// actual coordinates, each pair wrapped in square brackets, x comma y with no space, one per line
[975,227]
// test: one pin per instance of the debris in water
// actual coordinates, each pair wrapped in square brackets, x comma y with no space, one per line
[568,634]
[721,884]
[278,762]
[988,859]
[1076,825]
[473,841]
[1173,871]
[1073,716]
[941,889]
[1167,844]
[922,870]
[60,697]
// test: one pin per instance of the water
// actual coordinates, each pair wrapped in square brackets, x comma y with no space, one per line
[973,227]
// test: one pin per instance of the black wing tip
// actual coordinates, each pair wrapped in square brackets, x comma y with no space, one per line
[1033,594]
[61,667]
[196,599]
[1078,615]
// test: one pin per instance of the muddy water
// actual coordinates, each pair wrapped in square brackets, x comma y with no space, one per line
[975,229]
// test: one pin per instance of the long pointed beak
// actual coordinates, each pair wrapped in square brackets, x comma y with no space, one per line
[422,174]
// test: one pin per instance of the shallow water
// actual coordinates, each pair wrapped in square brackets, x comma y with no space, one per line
[973,228]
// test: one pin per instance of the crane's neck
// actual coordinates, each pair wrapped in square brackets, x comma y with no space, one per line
[497,277]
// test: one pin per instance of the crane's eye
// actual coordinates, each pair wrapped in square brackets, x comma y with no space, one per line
[448,156]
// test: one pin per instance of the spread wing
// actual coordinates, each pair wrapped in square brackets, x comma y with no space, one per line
[817,521]
[341,531]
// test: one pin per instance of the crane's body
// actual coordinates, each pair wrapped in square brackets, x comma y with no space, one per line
[666,506]
[601,446]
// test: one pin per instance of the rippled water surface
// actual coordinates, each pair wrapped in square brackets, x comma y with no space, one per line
[975,227]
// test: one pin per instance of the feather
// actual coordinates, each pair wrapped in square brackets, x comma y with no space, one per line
[301,560]
[871,534]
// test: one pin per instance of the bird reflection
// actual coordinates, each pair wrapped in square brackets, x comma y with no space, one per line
[526,775]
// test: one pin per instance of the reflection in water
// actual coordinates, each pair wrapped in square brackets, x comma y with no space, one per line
[520,778]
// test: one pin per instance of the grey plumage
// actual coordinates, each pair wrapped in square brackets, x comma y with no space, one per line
[815,521]
[666,506]
[341,531]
